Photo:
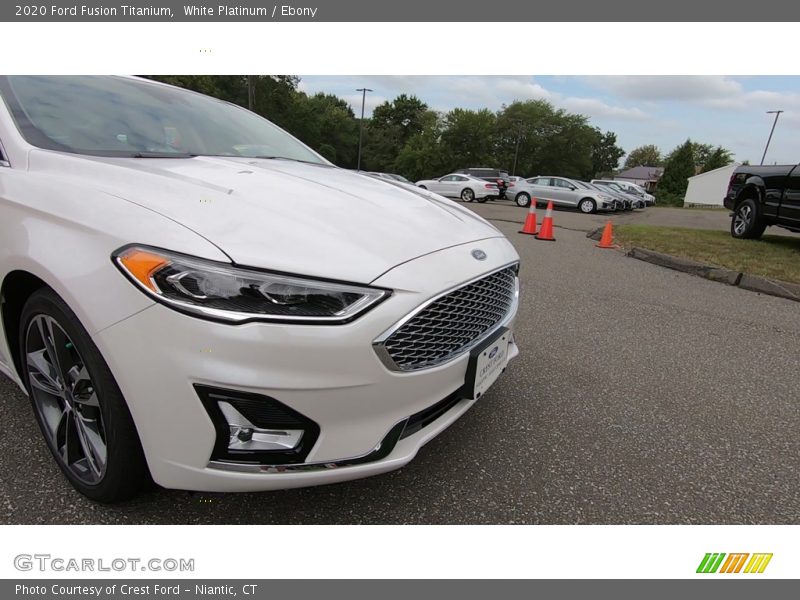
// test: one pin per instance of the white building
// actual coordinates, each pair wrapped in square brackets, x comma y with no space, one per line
[708,189]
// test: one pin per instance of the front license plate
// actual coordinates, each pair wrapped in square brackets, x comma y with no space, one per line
[486,362]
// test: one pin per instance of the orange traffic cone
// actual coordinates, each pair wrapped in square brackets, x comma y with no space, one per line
[546,232]
[607,240]
[530,221]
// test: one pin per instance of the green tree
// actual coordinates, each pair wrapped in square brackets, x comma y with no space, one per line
[552,141]
[605,153]
[703,154]
[391,126]
[424,156]
[719,157]
[679,167]
[644,156]
[407,113]
[327,124]
[469,138]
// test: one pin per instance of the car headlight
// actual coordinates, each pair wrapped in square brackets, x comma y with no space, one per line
[222,291]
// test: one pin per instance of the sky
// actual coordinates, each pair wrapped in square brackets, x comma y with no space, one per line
[660,109]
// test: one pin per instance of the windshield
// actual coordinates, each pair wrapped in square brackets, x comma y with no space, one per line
[116,116]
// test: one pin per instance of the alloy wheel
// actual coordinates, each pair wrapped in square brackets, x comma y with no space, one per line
[741,221]
[66,400]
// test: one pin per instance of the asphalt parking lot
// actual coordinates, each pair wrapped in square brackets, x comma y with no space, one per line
[641,395]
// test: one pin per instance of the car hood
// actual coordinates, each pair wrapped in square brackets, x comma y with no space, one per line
[287,216]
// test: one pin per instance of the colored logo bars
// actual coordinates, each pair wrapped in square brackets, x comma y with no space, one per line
[713,562]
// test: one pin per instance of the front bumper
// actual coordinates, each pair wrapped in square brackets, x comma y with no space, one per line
[329,374]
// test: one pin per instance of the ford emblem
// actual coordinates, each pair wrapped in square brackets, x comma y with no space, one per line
[479,255]
[493,352]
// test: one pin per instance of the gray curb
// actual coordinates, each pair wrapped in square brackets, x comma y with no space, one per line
[772,287]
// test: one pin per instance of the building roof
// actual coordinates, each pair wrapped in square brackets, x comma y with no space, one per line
[642,172]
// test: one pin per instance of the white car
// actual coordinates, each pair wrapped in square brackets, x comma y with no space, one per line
[457,185]
[628,188]
[220,321]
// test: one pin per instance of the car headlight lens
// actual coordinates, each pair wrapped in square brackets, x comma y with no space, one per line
[226,292]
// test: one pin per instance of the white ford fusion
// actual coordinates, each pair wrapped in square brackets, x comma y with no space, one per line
[190,294]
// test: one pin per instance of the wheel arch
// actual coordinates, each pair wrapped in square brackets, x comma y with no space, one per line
[753,188]
[17,287]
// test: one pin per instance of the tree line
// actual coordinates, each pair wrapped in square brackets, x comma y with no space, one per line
[406,136]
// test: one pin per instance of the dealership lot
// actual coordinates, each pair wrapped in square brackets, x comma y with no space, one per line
[717,219]
[642,395]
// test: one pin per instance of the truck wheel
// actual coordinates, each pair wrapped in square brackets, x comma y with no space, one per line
[747,223]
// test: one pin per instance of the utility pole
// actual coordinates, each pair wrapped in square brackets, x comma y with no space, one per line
[251,93]
[363,91]
[777,114]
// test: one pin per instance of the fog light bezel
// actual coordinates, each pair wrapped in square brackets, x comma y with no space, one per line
[211,396]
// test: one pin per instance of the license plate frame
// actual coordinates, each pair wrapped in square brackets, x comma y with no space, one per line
[483,370]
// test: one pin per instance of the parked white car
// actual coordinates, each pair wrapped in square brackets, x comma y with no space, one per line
[191,294]
[562,192]
[629,188]
[615,190]
[457,185]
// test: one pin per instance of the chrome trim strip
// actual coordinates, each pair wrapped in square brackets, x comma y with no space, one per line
[293,468]
[388,362]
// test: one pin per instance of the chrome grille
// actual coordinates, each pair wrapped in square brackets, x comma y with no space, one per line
[452,323]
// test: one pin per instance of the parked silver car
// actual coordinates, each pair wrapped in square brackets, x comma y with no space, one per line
[627,201]
[629,188]
[562,192]
[617,191]
[457,185]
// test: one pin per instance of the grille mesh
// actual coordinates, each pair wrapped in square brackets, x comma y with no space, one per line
[453,322]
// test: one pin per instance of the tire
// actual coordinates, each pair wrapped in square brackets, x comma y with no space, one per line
[523,200]
[747,223]
[587,206]
[63,370]
[467,195]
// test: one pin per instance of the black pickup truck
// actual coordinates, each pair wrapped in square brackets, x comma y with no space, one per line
[763,196]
